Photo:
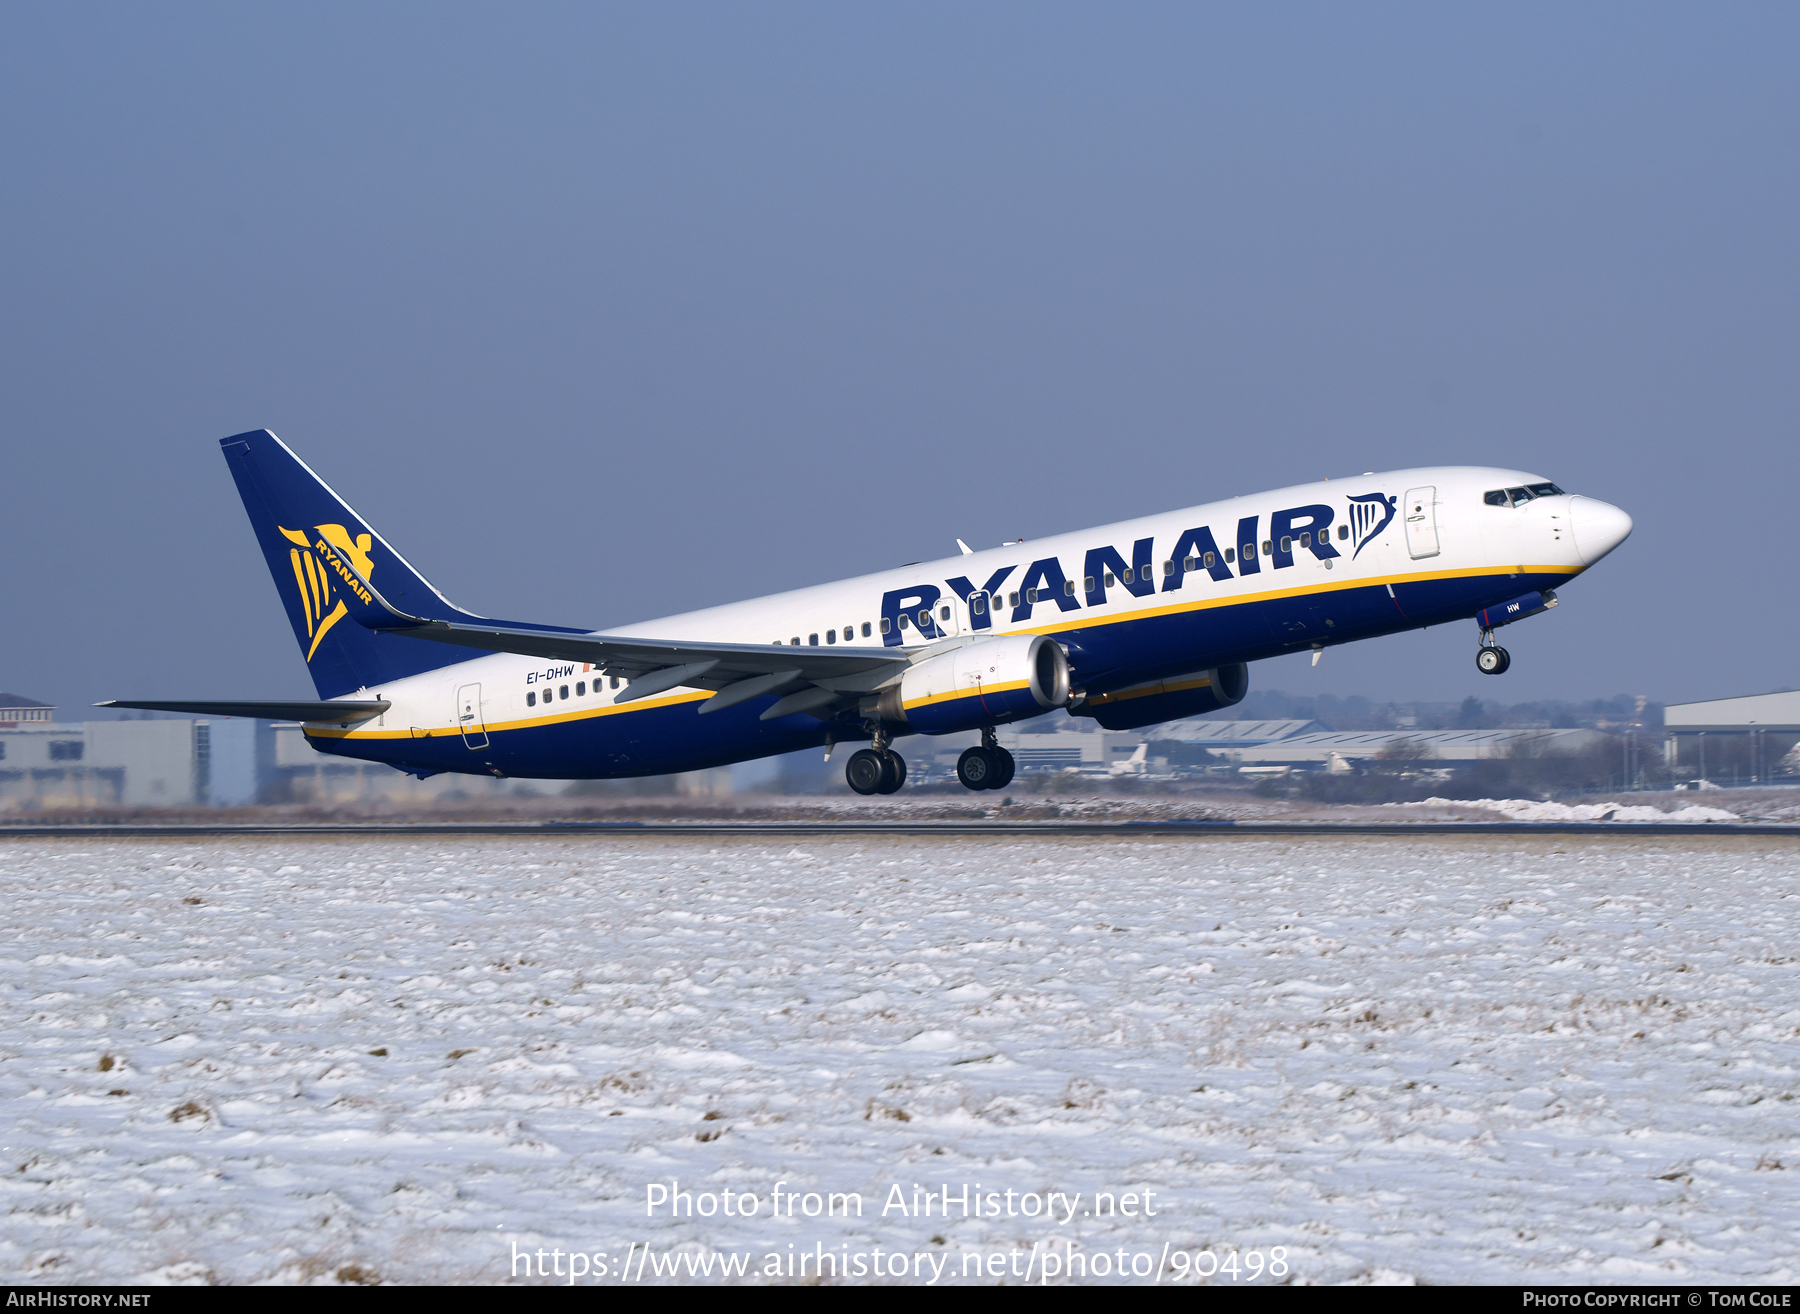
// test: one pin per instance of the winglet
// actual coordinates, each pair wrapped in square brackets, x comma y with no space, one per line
[967,551]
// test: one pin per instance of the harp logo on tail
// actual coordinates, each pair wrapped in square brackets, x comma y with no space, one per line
[323,577]
[1369,515]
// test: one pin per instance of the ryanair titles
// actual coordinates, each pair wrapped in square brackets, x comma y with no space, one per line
[909,611]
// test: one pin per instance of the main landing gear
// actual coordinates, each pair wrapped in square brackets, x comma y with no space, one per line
[877,770]
[987,767]
[1490,659]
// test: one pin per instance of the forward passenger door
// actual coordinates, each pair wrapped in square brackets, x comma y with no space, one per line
[1421,522]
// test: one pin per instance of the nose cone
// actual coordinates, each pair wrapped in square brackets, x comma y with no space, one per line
[1599,527]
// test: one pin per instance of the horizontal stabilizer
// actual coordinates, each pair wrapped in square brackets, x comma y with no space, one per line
[339,713]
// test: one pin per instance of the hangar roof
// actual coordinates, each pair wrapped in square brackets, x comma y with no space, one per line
[1770,711]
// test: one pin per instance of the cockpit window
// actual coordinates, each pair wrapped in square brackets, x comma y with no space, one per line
[1519,496]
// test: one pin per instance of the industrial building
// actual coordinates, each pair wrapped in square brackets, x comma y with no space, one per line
[1742,737]
[46,763]
[1322,746]
[175,763]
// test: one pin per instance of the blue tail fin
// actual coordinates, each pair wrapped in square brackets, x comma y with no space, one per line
[297,517]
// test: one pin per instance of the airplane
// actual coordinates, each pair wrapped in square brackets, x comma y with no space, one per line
[1131,624]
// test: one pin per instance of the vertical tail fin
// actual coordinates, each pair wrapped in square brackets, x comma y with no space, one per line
[297,518]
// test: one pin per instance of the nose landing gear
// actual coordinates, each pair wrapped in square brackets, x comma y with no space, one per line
[1489,658]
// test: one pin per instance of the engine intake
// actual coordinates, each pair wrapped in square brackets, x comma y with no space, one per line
[980,684]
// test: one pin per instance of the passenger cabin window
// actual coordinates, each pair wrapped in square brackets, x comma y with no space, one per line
[830,636]
[924,618]
[866,628]
[1230,554]
[530,699]
[1209,561]
[1190,563]
[581,688]
[1287,543]
[563,693]
[944,612]
[1306,539]
[1267,547]
[978,604]
[1145,572]
[1068,588]
[904,621]
[1012,599]
[1109,579]
[849,633]
[1248,551]
[613,680]
[794,642]
[1343,531]
[1030,595]
[812,641]
[886,626]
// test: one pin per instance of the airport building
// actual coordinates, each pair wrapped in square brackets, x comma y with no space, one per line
[226,762]
[1316,747]
[1740,737]
[160,763]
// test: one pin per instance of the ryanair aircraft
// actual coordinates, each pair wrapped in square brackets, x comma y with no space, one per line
[1134,623]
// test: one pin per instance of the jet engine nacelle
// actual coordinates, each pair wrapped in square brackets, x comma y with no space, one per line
[979,684]
[1193,694]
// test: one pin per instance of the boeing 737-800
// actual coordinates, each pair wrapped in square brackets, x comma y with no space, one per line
[1132,624]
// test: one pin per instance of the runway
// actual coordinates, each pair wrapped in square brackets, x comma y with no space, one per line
[917,829]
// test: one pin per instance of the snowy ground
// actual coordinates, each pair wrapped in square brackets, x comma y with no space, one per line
[1556,1059]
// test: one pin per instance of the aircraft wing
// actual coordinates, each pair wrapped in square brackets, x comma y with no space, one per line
[345,712]
[849,668]
[805,679]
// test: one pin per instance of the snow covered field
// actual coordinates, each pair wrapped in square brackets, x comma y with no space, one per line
[1532,1059]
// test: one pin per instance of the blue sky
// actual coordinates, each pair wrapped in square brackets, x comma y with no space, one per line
[601,313]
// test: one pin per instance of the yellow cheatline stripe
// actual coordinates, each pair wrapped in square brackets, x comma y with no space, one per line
[1336,586]
[956,694]
[496,727]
